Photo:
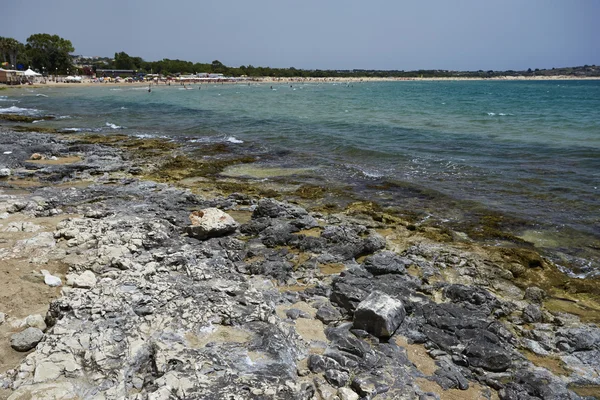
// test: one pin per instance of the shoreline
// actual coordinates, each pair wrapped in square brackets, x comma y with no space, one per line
[128,233]
[259,80]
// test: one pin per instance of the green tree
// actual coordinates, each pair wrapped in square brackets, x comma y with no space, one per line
[50,51]
[123,61]
[9,49]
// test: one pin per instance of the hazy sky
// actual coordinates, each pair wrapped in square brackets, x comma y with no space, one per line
[326,34]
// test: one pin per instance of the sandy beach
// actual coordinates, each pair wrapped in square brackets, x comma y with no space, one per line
[269,80]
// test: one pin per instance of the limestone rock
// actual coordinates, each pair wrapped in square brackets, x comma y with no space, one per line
[50,279]
[345,393]
[35,321]
[26,340]
[210,222]
[379,314]
[85,280]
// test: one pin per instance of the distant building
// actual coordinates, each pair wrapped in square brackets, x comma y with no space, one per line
[10,77]
[104,73]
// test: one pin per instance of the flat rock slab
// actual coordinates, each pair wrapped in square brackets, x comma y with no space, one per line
[26,340]
[379,314]
[210,222]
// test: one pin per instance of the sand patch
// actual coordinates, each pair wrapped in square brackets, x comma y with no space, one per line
[58,161]
[474,392]
[417,354]
[221,334]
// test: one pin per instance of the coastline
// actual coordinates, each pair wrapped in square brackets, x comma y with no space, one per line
[259,80]
[281,258]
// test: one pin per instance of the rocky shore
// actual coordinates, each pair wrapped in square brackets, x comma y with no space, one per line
[166,293]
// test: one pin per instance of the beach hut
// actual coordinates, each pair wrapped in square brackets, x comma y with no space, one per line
[8,76]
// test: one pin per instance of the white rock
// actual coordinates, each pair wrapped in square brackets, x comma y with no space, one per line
[85,280]
[50,279]
[345,393]
[46,371]
[379,314]
[211,222]
[47,391]
[2,318]
[4,172]
[35,321]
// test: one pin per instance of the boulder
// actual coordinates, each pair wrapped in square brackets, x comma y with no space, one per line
[379,314]
[26,340]
[386,262]
[210,222]
[4,172]
[488,356]
[85,280]
[36,156]
[535,294]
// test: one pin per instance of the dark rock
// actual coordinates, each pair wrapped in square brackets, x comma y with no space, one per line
[328,314]
[379,314]
[26,340]
[386,262]
[535,294]
[317,363]
[532,313]
[347,296]
[294,313]
[488,356]
[337,378]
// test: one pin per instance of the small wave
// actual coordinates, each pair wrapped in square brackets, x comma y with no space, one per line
[150,136]
[7,152]
[491,114]
[41,95]
[123,108]
[36,121]
[113,126]
[232,139]
[18,110]
[116,89]
[81,130]
[63,117]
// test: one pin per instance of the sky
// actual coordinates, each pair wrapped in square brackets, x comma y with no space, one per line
[324,34]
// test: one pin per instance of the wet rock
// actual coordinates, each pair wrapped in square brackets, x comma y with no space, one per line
[210,222]
[27,339]
[379,314]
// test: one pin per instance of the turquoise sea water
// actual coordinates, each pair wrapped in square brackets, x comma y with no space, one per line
[529,150]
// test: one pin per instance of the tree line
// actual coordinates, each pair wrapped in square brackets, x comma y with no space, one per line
[50,54]
[42,51]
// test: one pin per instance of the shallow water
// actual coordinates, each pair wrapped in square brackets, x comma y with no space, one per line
[529,150]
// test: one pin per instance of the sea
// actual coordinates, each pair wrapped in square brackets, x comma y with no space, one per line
[525,154]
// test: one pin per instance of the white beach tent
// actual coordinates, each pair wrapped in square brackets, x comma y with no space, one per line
[31,73]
